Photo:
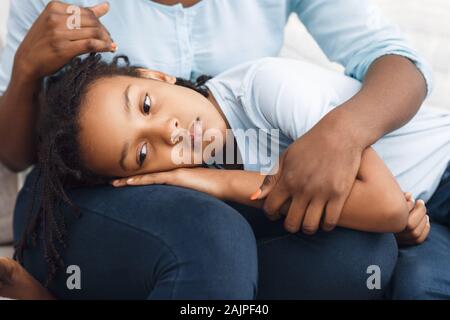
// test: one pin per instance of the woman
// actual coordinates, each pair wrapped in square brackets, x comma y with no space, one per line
[209,37]
[86,123]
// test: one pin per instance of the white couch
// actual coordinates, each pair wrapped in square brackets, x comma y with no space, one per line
[427,23]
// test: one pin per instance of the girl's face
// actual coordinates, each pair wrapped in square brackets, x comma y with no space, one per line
[130,126]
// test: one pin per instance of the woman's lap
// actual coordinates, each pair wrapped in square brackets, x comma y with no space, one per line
[163,242]
[422,271]
[153,242]
[328,265]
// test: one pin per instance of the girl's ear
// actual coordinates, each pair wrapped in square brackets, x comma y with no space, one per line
[156,75]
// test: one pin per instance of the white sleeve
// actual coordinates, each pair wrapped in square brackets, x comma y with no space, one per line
[22,14]
[293,96]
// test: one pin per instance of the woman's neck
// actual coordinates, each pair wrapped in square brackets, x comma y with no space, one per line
[185,3]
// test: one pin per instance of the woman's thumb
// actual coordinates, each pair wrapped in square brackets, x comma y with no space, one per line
[266,187]
[100,9]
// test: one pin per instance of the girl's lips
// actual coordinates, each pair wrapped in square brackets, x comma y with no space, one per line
[196,130]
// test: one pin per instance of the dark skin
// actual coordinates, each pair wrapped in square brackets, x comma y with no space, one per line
[315,192]
[318,189]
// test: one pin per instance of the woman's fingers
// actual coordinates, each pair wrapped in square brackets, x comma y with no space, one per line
[87,33]
[100,9]
[332,212]
[274,202]
[294,218]
[90,45]
[313,216]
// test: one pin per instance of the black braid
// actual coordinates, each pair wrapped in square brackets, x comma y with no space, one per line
[60,166]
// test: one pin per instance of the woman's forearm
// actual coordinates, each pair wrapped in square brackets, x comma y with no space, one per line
[392,93]
[376,202]
[18,115]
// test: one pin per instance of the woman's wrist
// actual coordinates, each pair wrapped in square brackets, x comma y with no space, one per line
[340,128]
[23,73]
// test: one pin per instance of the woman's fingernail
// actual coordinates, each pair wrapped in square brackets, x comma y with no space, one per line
[131,180]
[114,46]
[256,195]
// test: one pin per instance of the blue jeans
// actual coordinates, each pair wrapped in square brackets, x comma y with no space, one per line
[423,271]
[162,242]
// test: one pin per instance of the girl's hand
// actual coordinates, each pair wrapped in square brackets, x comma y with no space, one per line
[418,223]
[52,41]
[200,179]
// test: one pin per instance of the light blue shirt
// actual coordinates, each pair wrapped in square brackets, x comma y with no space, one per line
[269,103]
[215,35]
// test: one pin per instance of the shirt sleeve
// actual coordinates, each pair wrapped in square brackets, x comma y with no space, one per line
[22,14]
[292,96]
[355,33]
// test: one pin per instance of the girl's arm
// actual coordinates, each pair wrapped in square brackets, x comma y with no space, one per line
[376,202]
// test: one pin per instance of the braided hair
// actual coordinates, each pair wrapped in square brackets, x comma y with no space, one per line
[60,166]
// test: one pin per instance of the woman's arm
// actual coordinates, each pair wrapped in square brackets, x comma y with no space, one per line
[375,204]
[354,33]
[47,46]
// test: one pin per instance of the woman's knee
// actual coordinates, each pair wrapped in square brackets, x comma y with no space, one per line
[198,245]
[342,264]
[372,259]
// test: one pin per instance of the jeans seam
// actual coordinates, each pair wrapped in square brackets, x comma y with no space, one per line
[269,240]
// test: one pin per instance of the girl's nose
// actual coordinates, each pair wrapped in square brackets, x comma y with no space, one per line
[170,131]
[162,130]
[174,129]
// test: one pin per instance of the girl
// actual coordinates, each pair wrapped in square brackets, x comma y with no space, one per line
[113,123]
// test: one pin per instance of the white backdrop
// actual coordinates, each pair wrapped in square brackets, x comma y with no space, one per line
[4,7]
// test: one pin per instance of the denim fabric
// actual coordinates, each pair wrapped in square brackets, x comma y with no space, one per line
[423,271]
[161,242]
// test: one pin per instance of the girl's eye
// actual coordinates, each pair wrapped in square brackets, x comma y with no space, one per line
[147,104]
[143,154]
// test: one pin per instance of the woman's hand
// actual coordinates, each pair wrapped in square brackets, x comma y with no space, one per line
[317,173]
[418,227]
[200,179]
[51,42]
